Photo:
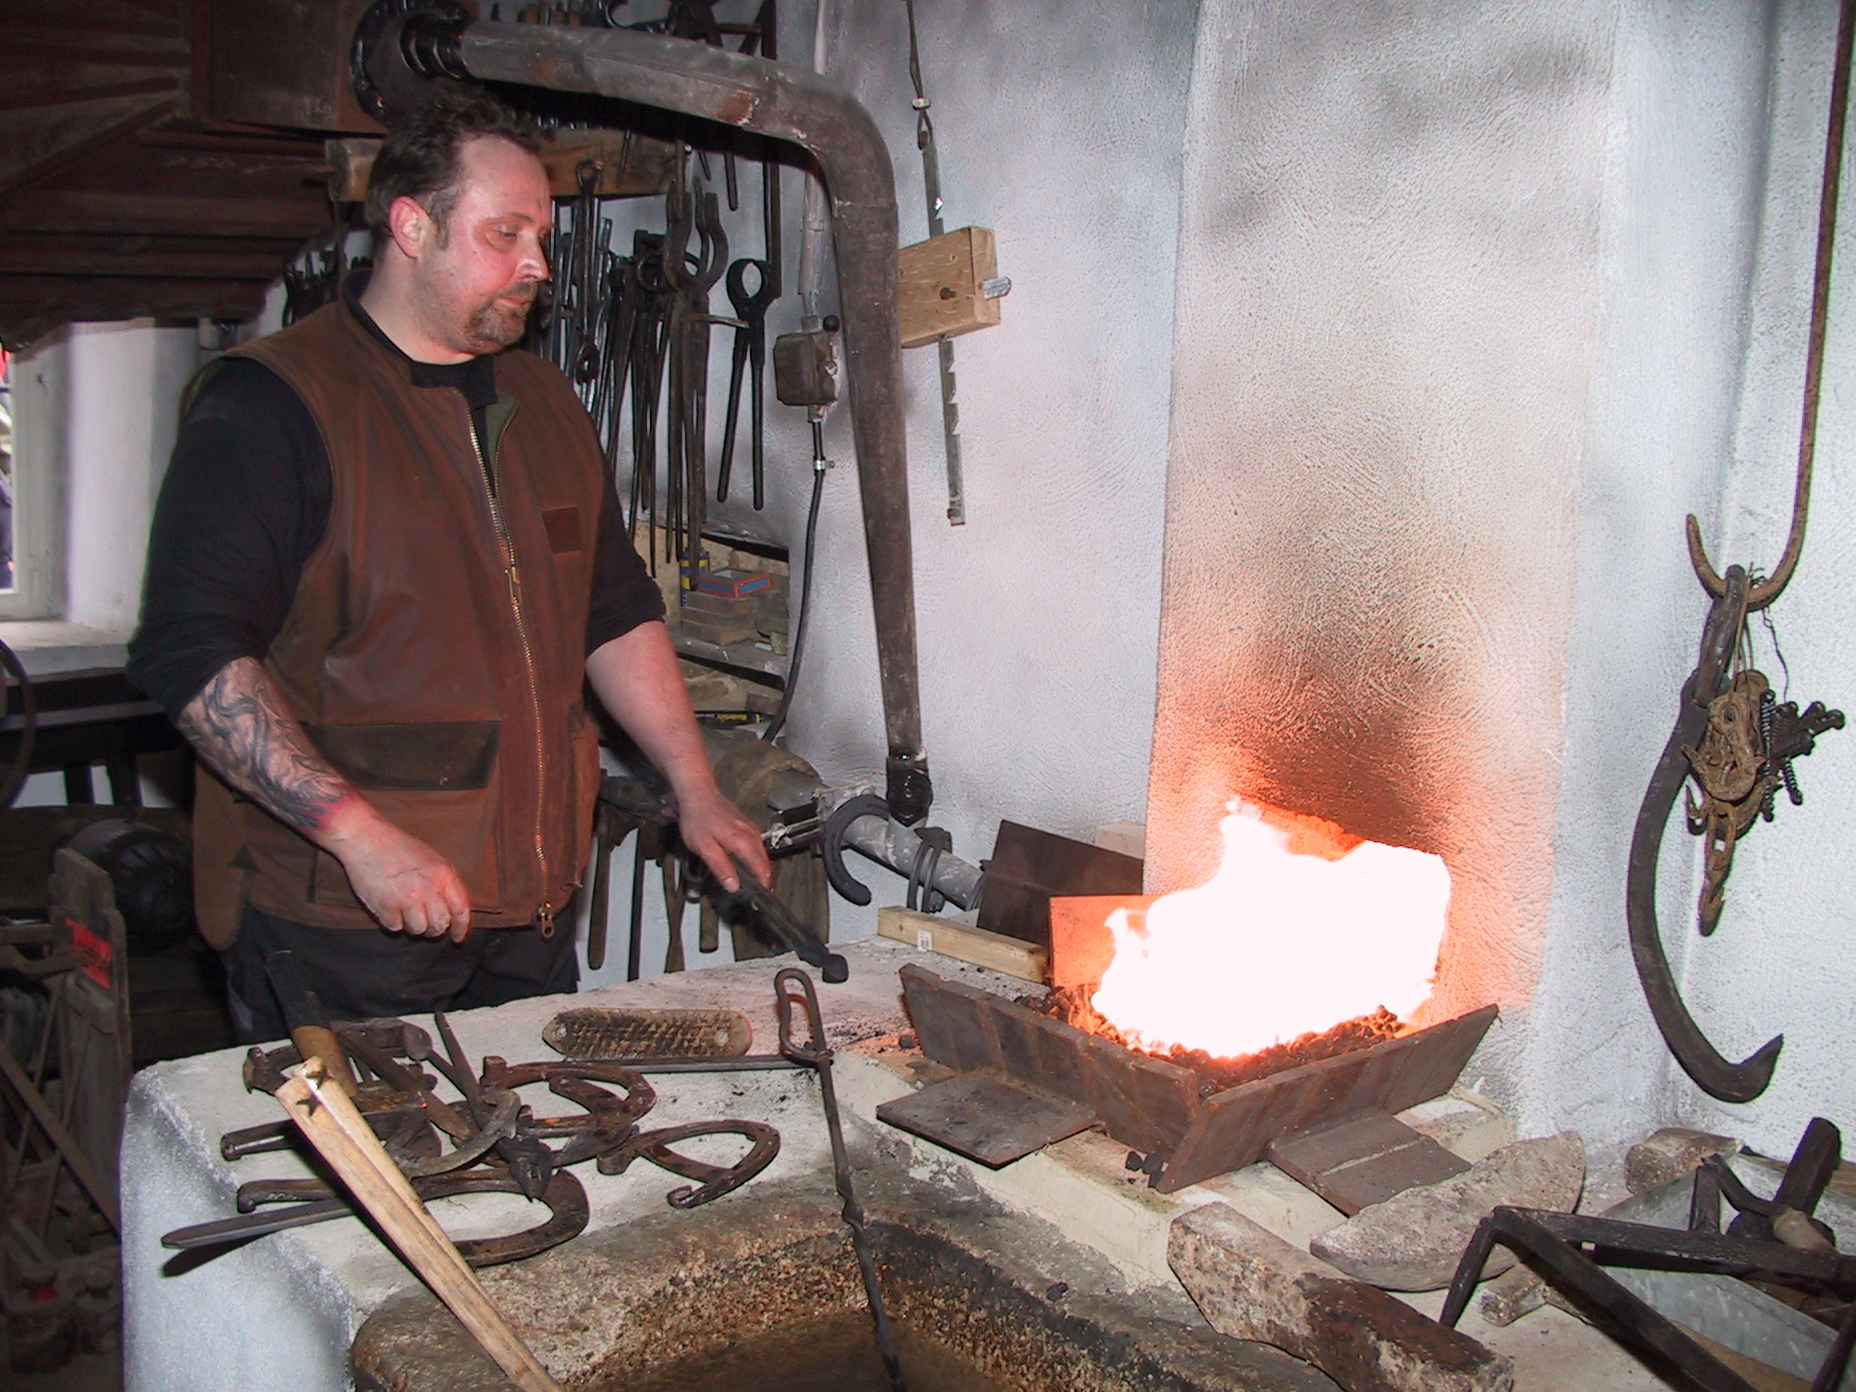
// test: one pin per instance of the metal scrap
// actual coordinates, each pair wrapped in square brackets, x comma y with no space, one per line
[498,1143]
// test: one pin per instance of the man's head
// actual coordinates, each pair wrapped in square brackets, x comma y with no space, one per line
[460,208]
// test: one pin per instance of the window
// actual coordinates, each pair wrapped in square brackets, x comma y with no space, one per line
[6,472]
[32,509]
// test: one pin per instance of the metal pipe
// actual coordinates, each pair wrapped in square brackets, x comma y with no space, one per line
[784,103]
[896,847]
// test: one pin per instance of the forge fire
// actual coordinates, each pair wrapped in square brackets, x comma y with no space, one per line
[1293,935]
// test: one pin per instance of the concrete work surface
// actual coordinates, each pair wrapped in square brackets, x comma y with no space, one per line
[281,1311]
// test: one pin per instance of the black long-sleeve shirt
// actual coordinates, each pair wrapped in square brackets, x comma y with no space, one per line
[247,498]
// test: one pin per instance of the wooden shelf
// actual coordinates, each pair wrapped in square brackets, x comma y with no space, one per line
[745,659]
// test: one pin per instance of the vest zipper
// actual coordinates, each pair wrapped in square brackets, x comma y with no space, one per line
[513,575]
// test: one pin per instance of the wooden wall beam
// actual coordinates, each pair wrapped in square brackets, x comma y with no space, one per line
[647,164]
[37,258]
[61,210]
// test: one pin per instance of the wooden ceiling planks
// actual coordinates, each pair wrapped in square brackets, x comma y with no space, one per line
[115,200]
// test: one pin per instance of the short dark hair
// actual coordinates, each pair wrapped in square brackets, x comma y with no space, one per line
[421,159]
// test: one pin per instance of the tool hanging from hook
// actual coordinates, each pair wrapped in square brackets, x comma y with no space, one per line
[1732,735]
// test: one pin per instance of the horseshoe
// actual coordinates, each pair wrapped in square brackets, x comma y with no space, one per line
[1712,1072]
[306,1201]
[831,844]
[608,1120]
[712,1181]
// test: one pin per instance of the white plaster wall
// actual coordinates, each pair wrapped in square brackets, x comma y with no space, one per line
[41,415]
[1060,126]
[1780,959]
[1685,193]
[1778,962]
[1711,221]
[101,405]
[1476,302]
[1387,291]
[124,392]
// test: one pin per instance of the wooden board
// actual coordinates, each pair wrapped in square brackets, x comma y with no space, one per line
[962,941]
[643,169]
[987,1117]
[1235,1127]
[941,286]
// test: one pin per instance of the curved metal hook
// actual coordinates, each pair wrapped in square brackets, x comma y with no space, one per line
[1768,589]
[1713,1073]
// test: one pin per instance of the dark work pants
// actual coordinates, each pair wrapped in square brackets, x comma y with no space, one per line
[361,973]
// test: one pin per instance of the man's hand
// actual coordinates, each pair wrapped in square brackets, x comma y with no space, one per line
[404,883]
[638,680]
[715,829]
[240,726]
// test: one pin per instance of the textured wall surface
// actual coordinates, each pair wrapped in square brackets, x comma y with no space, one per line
[1711,227]
[1686,194]
[1476,302]
[1388,286]
[1060,126]
[126,380]
[1780,960]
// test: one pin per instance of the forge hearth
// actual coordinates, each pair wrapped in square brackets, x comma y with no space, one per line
[1192,1125]
[1072,1006]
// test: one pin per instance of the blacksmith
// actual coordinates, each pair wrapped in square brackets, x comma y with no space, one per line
[383,564]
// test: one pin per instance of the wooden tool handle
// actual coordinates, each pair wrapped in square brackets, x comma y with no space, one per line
[327,1116]
[309,1027]
[319,1042]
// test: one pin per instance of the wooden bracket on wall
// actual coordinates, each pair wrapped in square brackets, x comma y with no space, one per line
[950,285]
[643,169]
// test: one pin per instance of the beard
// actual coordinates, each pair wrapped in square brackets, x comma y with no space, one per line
[502,320]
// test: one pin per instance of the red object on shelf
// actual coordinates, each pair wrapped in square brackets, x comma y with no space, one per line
[733,584]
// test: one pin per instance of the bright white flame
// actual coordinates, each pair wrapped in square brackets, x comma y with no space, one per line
[1277,944]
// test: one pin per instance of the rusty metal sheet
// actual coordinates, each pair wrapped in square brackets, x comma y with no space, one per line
[1363,1161]
[1029,866]
[1234,1128]
[1144,1102]
[950,1020]
[987,1117]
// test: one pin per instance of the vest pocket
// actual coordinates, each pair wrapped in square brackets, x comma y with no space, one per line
[563,525]
[412,756]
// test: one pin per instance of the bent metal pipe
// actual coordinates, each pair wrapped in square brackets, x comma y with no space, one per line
[798,107]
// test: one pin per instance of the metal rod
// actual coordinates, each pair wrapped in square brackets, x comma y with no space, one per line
[1765,591]
[816,1054]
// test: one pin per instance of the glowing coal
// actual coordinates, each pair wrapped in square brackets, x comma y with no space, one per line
[1277,945]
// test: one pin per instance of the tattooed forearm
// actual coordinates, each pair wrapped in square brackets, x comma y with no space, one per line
[240,727]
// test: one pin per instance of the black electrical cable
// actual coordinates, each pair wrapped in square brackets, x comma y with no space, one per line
[778,722]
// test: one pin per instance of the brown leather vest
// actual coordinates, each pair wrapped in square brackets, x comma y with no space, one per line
[435,650]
